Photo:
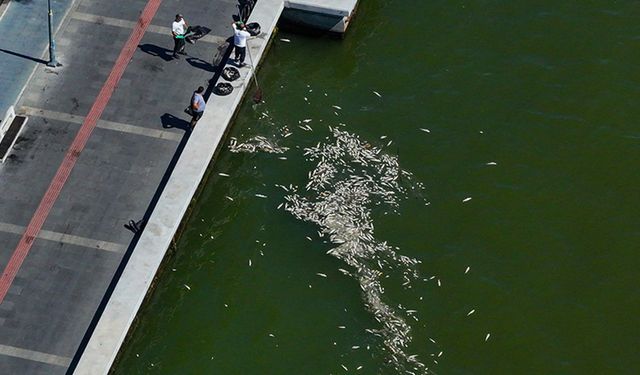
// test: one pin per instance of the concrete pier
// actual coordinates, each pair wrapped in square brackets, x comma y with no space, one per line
[74,278]
[138,275]
[137,278]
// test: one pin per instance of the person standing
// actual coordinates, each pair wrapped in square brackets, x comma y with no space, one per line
[179,28]
[197,106]
[240,35]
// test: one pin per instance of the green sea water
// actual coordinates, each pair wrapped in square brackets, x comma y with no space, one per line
[546,90]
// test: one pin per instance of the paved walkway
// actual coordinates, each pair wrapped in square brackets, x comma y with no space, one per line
[70,264]
[25,36]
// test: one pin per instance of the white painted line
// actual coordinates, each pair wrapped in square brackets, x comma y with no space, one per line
[165,30]
[33,355]
[66,238]
[103,124]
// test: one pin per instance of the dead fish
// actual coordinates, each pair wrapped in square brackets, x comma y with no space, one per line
[425,130]
[249,262]
[261,196]
[467,199]
[321,274]
[467,270]
[223,174]
[492,163]
[187,286]
[336,107]
[285,40]
[487,337]
[471,312]
[377,94]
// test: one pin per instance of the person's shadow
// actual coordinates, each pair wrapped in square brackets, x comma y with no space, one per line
[153,50]
[170,121]
[201,64]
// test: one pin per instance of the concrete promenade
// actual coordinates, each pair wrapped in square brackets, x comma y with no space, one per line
[138,275]
[117,176]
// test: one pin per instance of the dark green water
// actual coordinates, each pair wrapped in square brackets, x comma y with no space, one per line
[546,90]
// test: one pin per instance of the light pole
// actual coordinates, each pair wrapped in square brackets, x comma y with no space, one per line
[52,44]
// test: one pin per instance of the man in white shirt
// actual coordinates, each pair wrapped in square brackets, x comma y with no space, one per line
[240,35]
[179,28]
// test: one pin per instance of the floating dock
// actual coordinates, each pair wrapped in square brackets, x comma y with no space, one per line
[328,15]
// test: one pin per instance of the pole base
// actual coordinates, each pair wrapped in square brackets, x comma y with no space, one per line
[53,64]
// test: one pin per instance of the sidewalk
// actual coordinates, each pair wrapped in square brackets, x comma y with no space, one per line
[71,263]
[25,36]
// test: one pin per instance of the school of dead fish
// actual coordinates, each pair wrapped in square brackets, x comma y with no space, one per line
[350,177]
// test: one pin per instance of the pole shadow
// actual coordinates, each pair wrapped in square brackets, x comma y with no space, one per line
[153,50]
[39,61]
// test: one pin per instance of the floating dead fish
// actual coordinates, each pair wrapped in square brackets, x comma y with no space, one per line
[344,367]
[321,274]
[285,40]
[223,174]
[336,107]
[260,195]
[467,270]
[487,337]
[467,199]
[187,286]
[349,178]
[249,262]
[377,94]
[471,312]
[228,197]
[272,335]
[306,120]
[425,130]
[492,163]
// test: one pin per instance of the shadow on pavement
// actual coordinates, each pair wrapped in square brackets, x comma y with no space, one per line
[200,64]
[170,121]
[39,61]
[153,50]
[127,254]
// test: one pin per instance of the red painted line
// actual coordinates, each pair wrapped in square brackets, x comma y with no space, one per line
[56,185]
